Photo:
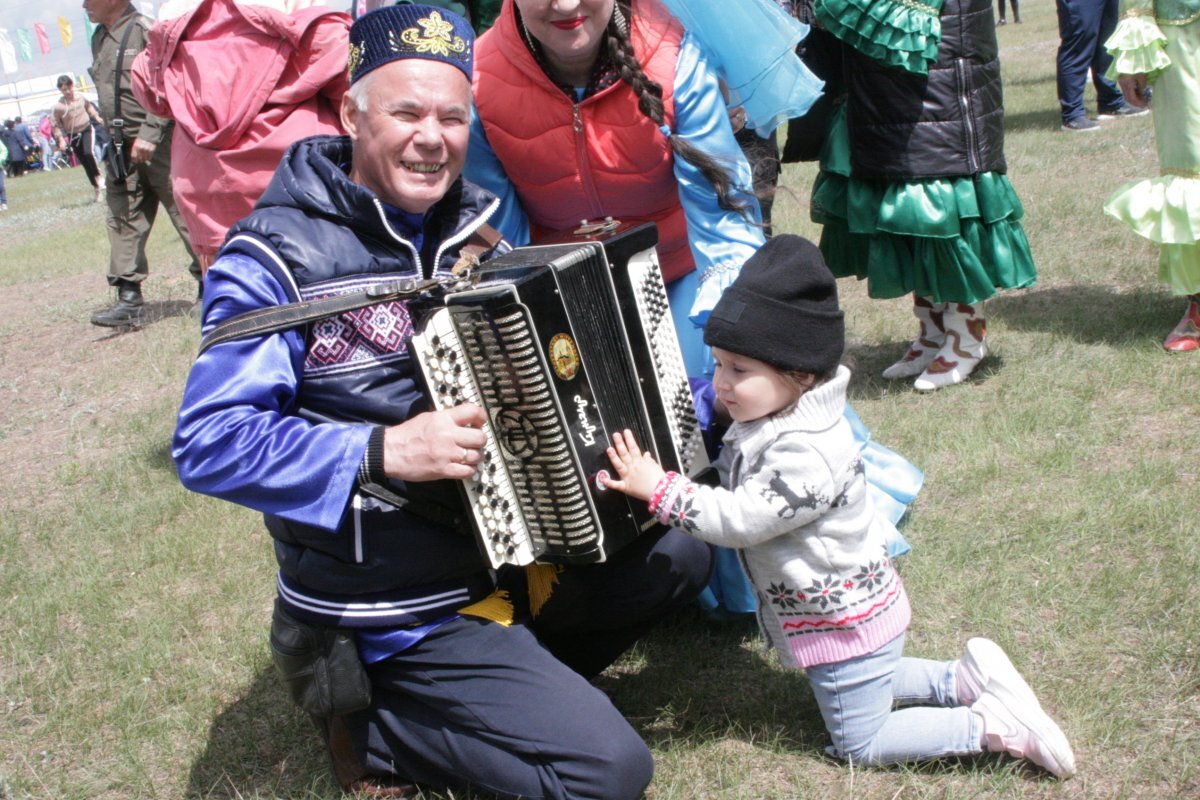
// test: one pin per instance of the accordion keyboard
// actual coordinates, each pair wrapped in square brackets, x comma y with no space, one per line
[490,493]
[650,295]
[528,497]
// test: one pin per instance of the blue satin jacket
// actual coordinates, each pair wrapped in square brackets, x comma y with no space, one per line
[279,423]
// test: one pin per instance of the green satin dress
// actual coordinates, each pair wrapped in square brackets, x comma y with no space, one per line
[1162,41]
[956,239]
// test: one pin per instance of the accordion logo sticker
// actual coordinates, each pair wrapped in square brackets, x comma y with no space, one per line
[516,432]
[564,356]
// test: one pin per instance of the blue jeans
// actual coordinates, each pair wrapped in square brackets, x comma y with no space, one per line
[856,699]
[1083,27]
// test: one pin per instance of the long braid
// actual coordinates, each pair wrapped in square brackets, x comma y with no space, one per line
[649,95]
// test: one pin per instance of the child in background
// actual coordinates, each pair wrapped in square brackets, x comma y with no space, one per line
[794,504]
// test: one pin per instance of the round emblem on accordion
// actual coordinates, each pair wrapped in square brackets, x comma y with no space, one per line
[564,356]
[515,432]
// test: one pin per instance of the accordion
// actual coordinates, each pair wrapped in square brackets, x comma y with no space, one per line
[562,345]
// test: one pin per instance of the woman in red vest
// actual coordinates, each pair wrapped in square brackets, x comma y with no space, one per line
[595,108]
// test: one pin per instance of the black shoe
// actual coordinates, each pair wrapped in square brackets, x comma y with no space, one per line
[1123,110]
[1001,21]
[1077,124]
[126,312]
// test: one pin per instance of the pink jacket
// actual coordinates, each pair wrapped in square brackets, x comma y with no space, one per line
[243,82]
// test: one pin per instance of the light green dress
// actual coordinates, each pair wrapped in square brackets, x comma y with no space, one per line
[952,239]
[1161,39]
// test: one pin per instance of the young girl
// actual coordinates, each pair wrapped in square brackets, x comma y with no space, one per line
[795,506]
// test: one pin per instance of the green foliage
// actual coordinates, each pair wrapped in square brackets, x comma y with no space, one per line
[1058,517]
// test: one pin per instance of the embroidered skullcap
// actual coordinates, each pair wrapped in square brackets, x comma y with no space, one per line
[782,309]
[410,31]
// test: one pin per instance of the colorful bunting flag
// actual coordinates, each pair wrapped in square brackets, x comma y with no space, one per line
[8,54]
[89,27]
[24,44]
[39,30]
[64,31]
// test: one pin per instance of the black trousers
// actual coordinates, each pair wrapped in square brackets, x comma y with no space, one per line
[82,144]
[509,710]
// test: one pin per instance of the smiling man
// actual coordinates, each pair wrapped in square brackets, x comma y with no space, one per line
[416,662]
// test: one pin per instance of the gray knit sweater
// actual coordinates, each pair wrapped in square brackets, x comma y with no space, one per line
[807,534]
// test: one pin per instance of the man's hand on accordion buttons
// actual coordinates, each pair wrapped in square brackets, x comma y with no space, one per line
[436,444]
[639,473]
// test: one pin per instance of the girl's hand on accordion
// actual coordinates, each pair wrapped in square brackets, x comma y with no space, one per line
[436,445]
[639,473]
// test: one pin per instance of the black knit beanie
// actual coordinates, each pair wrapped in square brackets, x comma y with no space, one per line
[782,309]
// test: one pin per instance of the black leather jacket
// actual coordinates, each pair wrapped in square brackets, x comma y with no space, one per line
[948,123]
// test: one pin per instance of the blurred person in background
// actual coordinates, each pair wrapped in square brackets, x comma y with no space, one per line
[72,118]
[15,163]
[45,129]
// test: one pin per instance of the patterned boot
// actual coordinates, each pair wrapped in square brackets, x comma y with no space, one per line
[961,353]
[930,337]
[1186,336]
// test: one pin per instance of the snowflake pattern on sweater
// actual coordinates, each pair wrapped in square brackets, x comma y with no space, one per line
[794,504]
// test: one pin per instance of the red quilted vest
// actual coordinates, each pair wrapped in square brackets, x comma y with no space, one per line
[598,158]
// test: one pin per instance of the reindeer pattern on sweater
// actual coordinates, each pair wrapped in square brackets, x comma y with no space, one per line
[793,502]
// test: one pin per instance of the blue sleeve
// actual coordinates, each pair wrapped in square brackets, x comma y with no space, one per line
[484,169]
[721,241]
[236,437]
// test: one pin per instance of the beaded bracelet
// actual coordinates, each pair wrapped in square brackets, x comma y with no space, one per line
[660,488]
[674,490]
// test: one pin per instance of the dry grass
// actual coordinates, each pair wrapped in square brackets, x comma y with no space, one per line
[1059,517]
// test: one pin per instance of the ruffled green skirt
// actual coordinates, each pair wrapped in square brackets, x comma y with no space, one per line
[950,239]
[1166,209]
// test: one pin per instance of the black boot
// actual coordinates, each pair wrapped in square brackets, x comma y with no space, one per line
[128,309]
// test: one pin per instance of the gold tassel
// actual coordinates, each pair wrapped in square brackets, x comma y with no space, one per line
[495,607]
[540,579]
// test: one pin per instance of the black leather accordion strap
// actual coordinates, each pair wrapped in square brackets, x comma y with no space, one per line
[293,315]
[278,318]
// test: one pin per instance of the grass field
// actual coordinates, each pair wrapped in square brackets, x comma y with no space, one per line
[1059,517]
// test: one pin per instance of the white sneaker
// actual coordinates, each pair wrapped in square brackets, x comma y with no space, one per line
[1013,725]
[982,662]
